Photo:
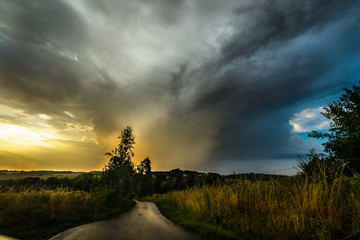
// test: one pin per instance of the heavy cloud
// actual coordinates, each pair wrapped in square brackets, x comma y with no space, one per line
[205,84]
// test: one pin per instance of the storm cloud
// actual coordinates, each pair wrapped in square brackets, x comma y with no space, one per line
[206,85]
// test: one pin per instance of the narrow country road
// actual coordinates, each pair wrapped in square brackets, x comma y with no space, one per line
[143,222]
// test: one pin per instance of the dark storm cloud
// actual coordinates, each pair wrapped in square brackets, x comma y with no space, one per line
[263,23]
[255,86]
[31,66]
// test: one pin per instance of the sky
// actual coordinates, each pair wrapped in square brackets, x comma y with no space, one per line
[220,86]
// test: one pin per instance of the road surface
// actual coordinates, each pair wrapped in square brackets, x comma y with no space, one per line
[2,237]
[143,222]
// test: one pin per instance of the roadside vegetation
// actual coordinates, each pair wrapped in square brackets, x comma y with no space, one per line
[301,207]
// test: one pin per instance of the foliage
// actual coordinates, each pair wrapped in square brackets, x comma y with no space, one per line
[344,133]
[144,167]
[178,179]
[145,178]
[119,172]
[121,156]
[319,165]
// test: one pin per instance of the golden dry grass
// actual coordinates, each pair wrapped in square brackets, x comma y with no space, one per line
[301,208]
[32,204]
[30,213]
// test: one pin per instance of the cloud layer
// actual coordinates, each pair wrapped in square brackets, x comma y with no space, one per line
[206,85]
[308,120]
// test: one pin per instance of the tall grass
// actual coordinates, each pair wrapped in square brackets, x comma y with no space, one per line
[301,208]
[30,204]
[30,213]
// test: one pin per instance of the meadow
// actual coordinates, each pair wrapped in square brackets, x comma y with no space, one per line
[300,207]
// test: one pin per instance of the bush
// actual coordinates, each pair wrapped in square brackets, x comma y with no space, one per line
[320,165]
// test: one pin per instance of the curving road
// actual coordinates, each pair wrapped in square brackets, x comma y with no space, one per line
[143,222]
[3,237]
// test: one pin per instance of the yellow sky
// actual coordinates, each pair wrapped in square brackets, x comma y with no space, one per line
[39,141]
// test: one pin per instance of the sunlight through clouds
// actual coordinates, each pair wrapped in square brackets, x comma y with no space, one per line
[309,120]
[69,114]
[14,134]
[44,116]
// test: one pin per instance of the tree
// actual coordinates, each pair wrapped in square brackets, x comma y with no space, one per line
[118,174]
[122,155]
[144,167]
[145,178]
[344,133]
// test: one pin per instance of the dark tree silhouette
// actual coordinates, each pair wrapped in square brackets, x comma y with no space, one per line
[119,173]
[144,167]
[145,178]
[122,155]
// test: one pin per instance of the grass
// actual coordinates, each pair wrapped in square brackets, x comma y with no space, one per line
[301,208]
[40,214]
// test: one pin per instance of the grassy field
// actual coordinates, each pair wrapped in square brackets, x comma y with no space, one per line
[34,214]
[299,208]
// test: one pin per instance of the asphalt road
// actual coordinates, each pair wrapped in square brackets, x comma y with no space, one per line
[143,222]
[2,237]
